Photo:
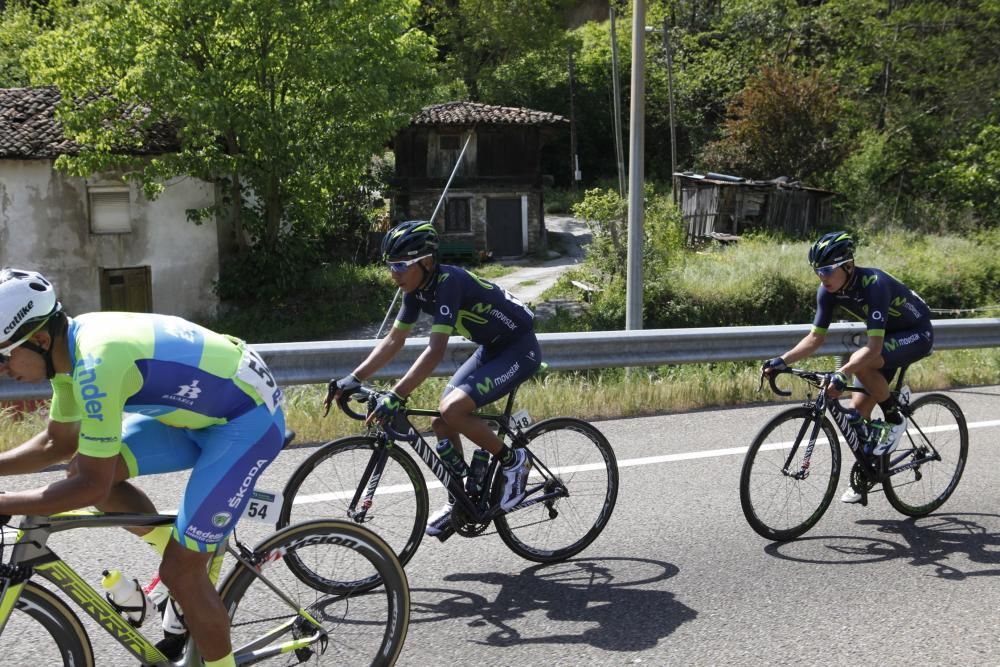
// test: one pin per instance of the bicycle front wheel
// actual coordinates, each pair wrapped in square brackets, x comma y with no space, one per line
[786,485]
[323,486]
[43,630]
[574,462]
[936,428]
[356,627]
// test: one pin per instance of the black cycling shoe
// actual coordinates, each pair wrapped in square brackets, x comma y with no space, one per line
[172,646]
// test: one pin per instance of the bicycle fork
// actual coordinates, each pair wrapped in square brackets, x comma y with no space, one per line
[803,471]
[373,474]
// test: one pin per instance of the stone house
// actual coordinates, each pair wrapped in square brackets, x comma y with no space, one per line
[494,205]
[99,239]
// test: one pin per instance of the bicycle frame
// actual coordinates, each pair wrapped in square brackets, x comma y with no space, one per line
[31,554]
[479,511]
[875,469]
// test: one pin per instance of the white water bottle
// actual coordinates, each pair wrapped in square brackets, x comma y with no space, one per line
[173,618]
[126,596]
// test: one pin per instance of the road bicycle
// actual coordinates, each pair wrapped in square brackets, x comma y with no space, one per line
[791,469]
[370,479]
[283,617]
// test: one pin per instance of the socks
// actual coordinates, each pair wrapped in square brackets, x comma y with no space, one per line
[227,661]
[158,538]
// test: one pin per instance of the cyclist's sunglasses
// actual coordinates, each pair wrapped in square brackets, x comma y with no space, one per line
[404,264]
[824,271]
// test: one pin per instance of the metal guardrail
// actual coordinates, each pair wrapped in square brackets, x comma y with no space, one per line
[315,362]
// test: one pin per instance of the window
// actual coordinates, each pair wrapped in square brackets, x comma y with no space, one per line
[456,215]
[110,209]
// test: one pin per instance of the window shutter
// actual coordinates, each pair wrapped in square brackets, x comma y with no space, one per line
[110,211]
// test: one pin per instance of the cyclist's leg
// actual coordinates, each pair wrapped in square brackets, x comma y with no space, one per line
[501,370]
[148,447]
[233,455]
[442,429]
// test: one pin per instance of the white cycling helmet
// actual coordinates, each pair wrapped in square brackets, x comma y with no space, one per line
[27,301]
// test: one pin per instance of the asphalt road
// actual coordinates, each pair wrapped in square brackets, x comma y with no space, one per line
[678,578]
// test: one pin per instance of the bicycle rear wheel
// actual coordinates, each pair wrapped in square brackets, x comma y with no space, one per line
[936,428]
[783,498]
[570,454]
[361,628]
[43,630]
[323,486]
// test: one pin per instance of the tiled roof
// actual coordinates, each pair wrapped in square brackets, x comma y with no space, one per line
[474,113]
[29,129]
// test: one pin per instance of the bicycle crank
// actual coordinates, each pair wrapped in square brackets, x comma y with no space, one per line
[860,482]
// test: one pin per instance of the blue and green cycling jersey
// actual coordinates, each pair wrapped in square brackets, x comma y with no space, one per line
[461,302]
[876,298]
[163,367]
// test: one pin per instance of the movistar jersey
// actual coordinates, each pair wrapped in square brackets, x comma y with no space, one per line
[460,301]
[876,298]
[177,372]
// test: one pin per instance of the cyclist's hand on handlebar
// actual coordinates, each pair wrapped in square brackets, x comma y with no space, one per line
[772,366]
[836,385]
[335,388]
[386,407]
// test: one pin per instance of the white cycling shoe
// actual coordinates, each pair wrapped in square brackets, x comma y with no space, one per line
[850,496]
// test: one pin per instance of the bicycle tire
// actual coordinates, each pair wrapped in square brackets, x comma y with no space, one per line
[765,489]
[333,473]
[37,613]
[363,627]
[942,426]
[582,458]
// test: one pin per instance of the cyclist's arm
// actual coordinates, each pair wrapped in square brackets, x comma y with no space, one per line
[424,365]
[56,444]
[383,353]
[805,347]
[866,357]
[90,486]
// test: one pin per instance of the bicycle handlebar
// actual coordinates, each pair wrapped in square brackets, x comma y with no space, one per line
[817,379]
[369,396]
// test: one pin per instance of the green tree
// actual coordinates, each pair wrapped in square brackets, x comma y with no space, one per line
[782,123]
[18,32]
[475,37]
[283,103]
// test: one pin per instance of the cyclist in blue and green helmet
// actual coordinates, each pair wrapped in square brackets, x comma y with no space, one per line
[458,302]
[898,325]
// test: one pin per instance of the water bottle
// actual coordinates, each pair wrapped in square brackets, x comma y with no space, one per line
[477,473]
[878,432]
[452,459]
[126,596]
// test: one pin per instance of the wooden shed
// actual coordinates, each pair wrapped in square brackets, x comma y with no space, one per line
[495,202]
[715,205]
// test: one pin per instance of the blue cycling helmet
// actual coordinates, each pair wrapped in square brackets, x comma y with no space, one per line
[409,239]
[831,248]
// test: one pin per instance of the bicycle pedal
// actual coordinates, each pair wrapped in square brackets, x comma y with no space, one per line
[445,533]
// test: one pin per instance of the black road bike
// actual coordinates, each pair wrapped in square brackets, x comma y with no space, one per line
[369,479]
[791,469]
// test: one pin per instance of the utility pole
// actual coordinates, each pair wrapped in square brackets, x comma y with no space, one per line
[670,97]
[574,159]
[617,106]
[636,176]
